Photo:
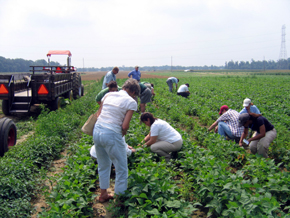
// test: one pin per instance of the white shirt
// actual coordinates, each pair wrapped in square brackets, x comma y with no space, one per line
[164,131]
[115,107]
[183,88]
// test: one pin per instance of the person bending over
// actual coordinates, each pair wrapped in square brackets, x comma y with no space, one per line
[112,87]
[266,133]
[114,116]
[183,90]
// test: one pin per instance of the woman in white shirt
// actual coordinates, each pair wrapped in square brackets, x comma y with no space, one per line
[114,116]
[162,137]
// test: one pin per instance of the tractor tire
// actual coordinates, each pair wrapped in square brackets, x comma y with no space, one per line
[83,89]
[77,86]
[8,135]
[69,95]
[56,104]
[5,107]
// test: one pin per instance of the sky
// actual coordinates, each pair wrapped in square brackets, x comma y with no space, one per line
[103,33]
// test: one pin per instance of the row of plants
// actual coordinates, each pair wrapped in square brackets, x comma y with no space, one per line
[23,169]
[263,173]
[210,174]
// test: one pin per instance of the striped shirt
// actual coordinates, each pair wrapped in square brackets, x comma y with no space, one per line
[231,118]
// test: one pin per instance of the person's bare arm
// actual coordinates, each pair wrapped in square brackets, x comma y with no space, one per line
[244,135]
[126,122]
[151,141]
[262,134]
[212,126]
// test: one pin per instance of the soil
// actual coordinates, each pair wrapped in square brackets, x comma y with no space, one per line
[56,168]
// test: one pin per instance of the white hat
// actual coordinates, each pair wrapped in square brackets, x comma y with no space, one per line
[247,101]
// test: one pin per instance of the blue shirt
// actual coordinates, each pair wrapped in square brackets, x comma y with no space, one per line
[110,76]
[253,109]
[173,79]
[136,74]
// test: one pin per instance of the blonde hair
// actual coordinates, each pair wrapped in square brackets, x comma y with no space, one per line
[132,85]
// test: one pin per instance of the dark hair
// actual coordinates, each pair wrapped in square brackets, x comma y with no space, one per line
[152,85]
[112,84]
[146,115]
[177,79]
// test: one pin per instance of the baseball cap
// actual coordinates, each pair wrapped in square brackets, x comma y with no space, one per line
[224,107]
[136,66]
[243,118]
[246,102]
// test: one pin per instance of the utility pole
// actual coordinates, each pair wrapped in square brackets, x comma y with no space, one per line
[283,52]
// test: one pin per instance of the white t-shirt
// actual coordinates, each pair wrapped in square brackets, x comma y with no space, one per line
[164,131]
[115,107]
[183,88]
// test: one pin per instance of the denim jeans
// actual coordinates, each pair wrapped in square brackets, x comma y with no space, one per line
[110,147]
[224,130]
[170,84]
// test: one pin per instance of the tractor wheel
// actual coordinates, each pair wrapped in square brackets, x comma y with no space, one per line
[83,88]
[69,95]
[56,104]
[5,107]
[8,135]
[77,86]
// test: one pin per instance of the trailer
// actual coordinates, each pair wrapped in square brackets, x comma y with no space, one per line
[42,85]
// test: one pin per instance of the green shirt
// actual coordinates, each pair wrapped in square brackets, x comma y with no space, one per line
[142,87]
[103,93]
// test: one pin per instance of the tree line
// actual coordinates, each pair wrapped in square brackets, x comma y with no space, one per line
[21,65]
[258,65]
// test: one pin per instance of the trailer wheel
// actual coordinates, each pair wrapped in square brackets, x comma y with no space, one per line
[82,87]
[56,104]
[69,95]
[77,86]
[8,135]
[5,107]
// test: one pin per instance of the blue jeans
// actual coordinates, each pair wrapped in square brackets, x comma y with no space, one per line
[224,130]
[170,84]
[110,147]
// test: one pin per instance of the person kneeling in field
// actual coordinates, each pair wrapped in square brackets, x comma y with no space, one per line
[129,150]
[228,124]
[266,133]
[112,87]
[183,90]
[162,137]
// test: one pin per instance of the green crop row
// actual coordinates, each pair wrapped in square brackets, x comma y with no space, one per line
[23,169]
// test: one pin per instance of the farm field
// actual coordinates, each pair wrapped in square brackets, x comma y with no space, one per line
[210,178]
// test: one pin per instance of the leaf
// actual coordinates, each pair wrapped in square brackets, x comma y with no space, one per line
[143,195]
[174,204]
[154,211]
